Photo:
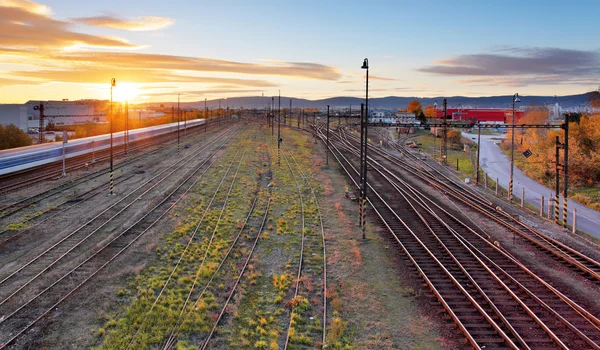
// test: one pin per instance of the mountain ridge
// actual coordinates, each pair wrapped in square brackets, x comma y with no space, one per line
[579,101]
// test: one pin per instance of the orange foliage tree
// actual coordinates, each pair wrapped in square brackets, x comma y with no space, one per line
[415,107]
[430,112]
[584,148]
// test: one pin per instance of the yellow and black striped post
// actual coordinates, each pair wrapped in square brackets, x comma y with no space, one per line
[565,212]
[510,188]
[112,187]
[363,217]
[556,209]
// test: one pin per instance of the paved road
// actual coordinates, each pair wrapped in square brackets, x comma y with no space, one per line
[497,165]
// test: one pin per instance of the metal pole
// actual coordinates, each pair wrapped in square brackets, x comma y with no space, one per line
[445,131]
[542,206]
[178,120]
[443,143]
[327,150]
[512,150]
[360,181]
[574,220]
[478,150]
[522,197]
[272,116]
[550,206]
[41,127]
[126,125]
[64,170]
[113,83]
[496,186]
[557,184]
[566,170]
[279,131]
[205,115]
[365,158]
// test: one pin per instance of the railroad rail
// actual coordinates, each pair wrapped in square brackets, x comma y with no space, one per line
[18,319]
[493,299]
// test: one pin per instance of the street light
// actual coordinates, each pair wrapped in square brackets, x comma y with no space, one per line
[512,149]
[113,83]
[365,140]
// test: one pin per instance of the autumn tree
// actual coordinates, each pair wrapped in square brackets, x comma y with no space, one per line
[430,111]
[455,137]
[415,107]
[11,137]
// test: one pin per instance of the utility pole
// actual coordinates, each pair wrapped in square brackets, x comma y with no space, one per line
[41,130]
[178,120]
[557,182]
[126,125]
[113,83]
[478,150]
[566,170]
[272,116]
[205,115]
[279,131]
[327,150]
[443,144]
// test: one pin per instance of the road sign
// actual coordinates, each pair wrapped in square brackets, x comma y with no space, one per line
[527,153]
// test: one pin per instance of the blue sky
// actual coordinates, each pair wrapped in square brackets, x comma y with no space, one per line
[425,48]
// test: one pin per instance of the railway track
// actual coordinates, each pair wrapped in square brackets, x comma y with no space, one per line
[47,172]
[494,300]
[15,181]
[33,306]
[191,239]
[580,263]
[312,259]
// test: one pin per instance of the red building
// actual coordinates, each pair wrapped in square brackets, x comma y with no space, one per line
[497,115]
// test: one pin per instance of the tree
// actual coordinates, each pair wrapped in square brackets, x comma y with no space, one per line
[430,111]
[455,137]
[415,107]
[11,137]
[421,117]
[595,98]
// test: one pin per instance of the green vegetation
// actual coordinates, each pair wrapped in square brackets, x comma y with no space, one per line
[426,142]
[11,136]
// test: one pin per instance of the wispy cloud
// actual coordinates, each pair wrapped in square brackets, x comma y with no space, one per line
[103,75]
[167,64]
[375,77]
[31,27]
[145,23]
[527,65]
[27,5]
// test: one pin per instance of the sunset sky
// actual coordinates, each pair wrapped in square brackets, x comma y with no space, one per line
[307,49]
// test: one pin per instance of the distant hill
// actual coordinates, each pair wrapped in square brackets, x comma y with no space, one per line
[570,102]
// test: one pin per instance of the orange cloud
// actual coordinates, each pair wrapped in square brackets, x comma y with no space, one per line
[26,5]
[23,27]
[103,75]
[138,24]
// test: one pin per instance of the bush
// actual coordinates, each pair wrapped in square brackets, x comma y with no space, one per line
[11,137]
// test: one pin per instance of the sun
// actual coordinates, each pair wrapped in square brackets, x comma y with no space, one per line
[125,92]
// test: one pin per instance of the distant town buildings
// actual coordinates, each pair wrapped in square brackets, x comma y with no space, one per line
[68,114]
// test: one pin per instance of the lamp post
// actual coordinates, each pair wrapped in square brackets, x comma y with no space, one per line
[113,83]
[366,142]
[512,148]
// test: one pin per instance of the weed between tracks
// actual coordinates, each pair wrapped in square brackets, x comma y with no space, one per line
[263,303]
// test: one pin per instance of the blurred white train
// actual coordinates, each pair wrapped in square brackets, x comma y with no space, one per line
[23,158]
